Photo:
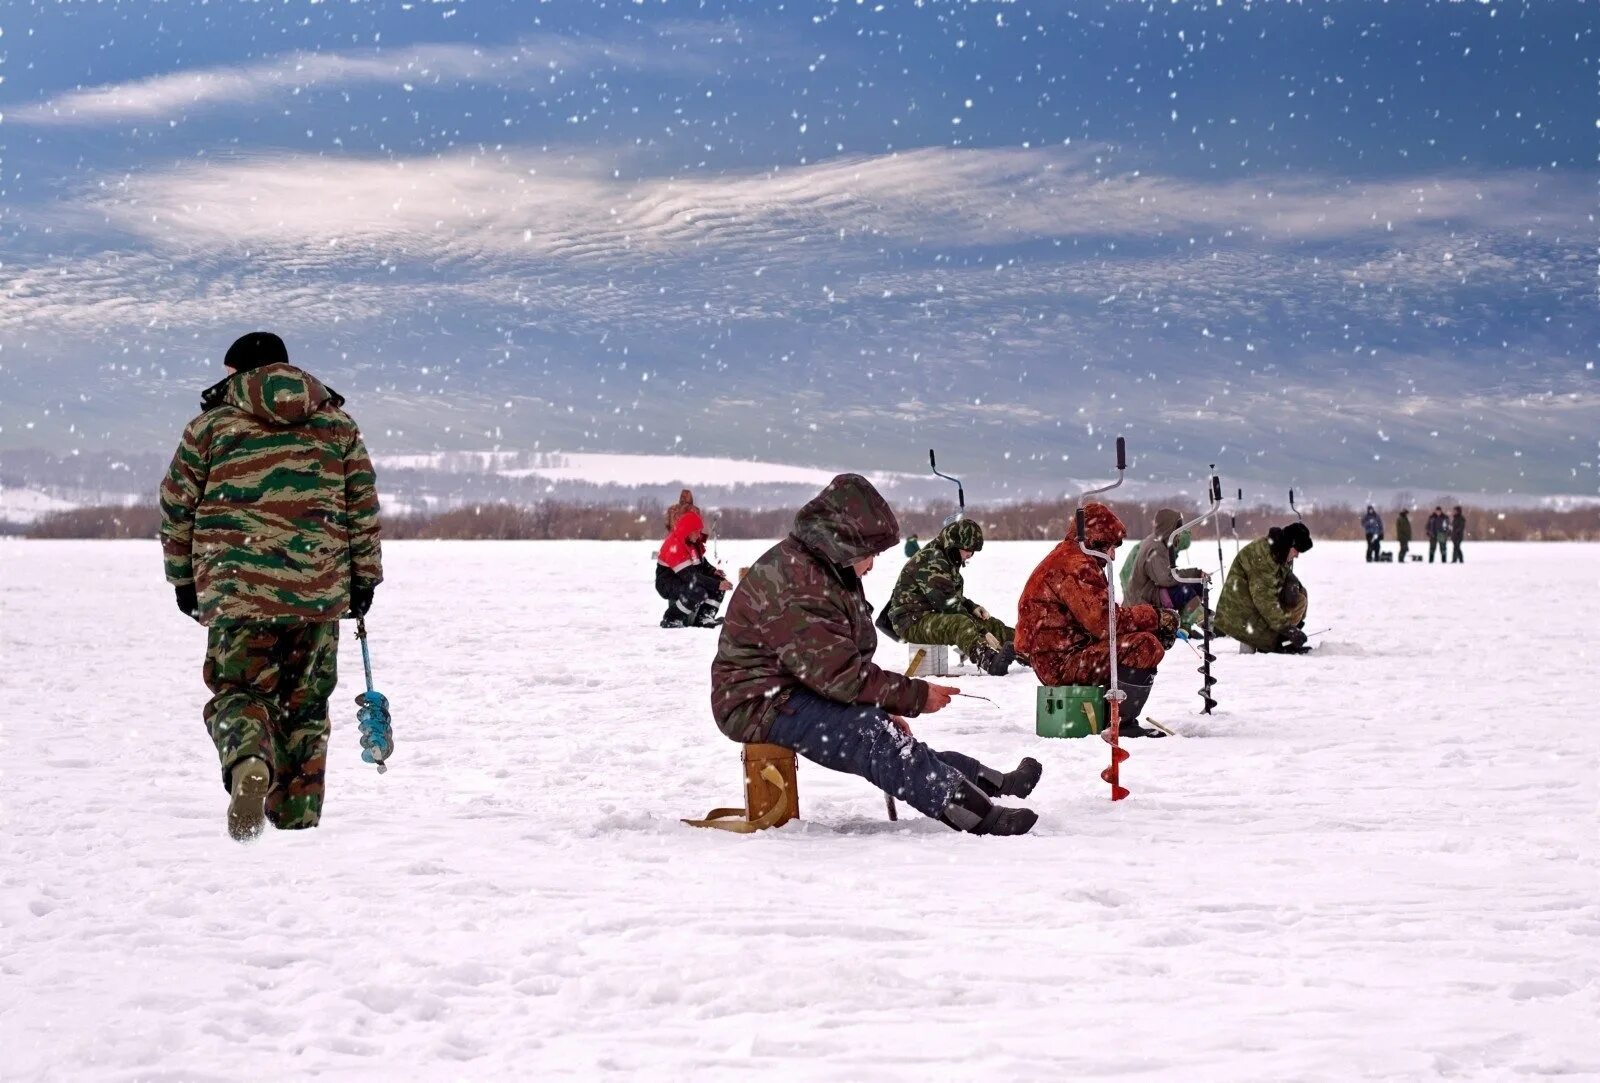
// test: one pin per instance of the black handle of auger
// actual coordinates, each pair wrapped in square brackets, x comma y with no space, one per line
[933,464]
[1079,517]
[1291,498]
[1216,489]
[1122,454]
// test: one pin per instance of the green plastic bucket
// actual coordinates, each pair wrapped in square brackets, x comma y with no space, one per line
[1075,710]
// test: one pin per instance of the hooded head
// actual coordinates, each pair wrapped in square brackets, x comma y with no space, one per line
[961,535]
[1102,530]
[689,525]
[1281,539]
[1167,520]
[278,394]
[255,350]
[846,522]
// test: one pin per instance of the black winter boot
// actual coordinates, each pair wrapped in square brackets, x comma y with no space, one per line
[969,810]
[994,662]
[1017,783]
[706,616]
[1136,683]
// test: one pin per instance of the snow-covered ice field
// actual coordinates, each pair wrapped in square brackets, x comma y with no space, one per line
[1376,862]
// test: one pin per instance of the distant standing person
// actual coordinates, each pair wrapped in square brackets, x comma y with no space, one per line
[1458,532]
[269,529]
[1438,531]
[1402,533]
[911,547]
[1372,524]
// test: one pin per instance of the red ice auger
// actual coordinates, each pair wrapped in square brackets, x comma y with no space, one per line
[1114,694]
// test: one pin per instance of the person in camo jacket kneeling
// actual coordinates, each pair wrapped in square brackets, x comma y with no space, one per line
[269,528]
[794,668]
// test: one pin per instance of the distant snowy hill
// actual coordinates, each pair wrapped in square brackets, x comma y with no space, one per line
[34,483]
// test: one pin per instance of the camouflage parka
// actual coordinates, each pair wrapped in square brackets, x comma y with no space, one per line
[270,507]
[1252,608]
[799,618]
[931,582]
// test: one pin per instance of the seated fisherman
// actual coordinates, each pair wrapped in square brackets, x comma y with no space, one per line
[692,586]
[928,604]
[1064,628]
[1153,581]
[794,668]
[1263,602]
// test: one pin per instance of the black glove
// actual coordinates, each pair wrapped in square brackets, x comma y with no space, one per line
[188,600]
[361,597]
[1293,637]
[1167,632]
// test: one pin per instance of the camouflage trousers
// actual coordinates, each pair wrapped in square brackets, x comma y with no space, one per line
[1092,664]
[957,630]
[270,685]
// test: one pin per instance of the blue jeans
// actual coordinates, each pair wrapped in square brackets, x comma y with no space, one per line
[860,740]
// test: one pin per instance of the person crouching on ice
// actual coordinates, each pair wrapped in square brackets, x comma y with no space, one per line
[1263,602]
[1063,626]
[794,668]
[692,587]
[269,529]
[1152,580]
[929,604]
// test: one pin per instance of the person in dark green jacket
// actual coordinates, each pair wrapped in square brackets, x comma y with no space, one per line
[1402,533]
[1263,602]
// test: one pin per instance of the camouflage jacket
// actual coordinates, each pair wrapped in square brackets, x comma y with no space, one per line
[799,618]
[1064,608]
[270,506]
[1252,608]
[931,583]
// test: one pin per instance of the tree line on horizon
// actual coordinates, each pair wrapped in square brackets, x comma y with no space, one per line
[552,520]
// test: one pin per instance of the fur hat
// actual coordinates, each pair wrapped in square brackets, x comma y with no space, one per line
[1281,539]
[254,350]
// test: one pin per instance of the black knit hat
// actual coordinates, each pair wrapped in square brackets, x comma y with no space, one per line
[256,349]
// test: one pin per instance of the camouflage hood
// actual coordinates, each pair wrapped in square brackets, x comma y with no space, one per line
[961,534]
[280,395]
[846,522]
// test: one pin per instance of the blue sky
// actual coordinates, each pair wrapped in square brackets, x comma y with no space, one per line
[1330,244]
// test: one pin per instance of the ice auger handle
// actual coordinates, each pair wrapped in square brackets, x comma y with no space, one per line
[1216,488]
[961,493]
[1079,518]
[1122,453]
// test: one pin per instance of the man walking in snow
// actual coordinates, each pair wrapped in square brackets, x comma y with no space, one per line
[1402,533]
[1458,533]
[794,668]
[269,528]
[929,603]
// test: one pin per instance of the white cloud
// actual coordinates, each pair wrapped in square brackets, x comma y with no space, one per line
[171,95]
[515,206]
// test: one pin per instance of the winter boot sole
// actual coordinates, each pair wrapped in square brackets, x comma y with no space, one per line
[247,814]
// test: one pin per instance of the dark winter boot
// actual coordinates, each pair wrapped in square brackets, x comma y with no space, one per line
[971,811]
[678,615]
[994,661]
[706,616]
[1136,684]
[248,787]
[1017,783]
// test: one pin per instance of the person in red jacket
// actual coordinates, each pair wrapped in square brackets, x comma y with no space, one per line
[1063,627]
[692,587]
